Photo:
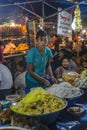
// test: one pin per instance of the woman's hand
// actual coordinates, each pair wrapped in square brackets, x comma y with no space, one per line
[54,79]
[46,83]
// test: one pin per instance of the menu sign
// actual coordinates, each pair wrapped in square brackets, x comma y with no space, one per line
[64,23]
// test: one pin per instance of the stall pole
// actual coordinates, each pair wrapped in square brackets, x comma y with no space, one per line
[34,24]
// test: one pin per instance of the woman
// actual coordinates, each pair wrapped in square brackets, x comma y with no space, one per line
[37,59]
[64,67]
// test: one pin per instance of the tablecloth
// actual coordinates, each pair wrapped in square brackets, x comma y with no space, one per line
[66,117]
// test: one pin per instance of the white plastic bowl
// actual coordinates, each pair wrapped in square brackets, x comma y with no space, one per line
[13,98]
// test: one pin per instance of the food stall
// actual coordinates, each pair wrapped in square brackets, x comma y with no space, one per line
[15,44]
[10,117]
[40,109]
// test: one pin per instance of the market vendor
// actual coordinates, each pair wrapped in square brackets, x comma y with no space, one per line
[37,59]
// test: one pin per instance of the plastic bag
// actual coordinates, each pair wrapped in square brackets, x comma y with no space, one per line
[67,125]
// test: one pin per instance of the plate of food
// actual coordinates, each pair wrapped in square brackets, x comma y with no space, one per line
[76,110]
[5,116]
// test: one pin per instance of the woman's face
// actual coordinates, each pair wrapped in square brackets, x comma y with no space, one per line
[65,63]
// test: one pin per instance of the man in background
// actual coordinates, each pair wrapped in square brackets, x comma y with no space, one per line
[6,80]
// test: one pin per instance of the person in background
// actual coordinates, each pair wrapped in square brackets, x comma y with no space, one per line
[31,43]
[2,46]
[20,66]
[37,59]
[69,43]
[55,53]
[72,63]
[68,54]
[63,68]
[52,41]
[19,81]
[6,81]
[83,61]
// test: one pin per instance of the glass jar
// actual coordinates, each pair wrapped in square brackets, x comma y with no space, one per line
[69,76]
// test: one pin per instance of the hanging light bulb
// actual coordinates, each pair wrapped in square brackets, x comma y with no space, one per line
[12,23]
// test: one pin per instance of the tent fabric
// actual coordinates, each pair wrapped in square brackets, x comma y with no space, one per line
[13,8]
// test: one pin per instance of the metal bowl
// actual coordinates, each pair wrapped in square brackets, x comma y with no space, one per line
[76,110]
[48,118]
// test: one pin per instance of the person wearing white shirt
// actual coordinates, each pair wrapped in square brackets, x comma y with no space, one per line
[20,84]
[19,78]
[6,80]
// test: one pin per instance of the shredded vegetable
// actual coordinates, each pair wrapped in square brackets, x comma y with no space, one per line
[38,101]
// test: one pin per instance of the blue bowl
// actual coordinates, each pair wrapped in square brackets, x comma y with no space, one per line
[72,101]
[84,89]
[47,119]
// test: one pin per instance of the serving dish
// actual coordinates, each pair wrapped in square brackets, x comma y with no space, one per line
[76,110]
[69,76]
[72,100]
[40,105]
[13,98]
[5,116]
[84,89]
[48,118]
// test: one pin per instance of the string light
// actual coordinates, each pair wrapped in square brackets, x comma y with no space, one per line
[77,19]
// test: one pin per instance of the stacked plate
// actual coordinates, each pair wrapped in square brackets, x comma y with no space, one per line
[12,128]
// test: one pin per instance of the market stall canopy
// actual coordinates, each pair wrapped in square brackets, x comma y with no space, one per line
[13,9]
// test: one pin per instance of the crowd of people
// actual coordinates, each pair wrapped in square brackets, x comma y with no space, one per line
[42,67]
